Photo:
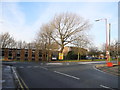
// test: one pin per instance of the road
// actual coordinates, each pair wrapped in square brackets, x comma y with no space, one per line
[65,75]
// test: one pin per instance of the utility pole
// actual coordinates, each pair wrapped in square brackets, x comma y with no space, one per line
[107,41]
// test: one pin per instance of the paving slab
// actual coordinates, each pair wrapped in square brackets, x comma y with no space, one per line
[7,77]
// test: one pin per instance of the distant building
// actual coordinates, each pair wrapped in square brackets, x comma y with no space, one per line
[11,54]
[75,49]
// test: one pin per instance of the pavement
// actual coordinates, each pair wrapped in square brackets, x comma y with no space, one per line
[7,77]
[112,70]
[1,76]
[60,75]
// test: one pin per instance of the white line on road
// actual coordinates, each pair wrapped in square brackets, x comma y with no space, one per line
[98,69]
[2,81]
[29,66]
[67,64]
[54,64]
[36,66]
[21,67]
[67,75]
[44,68]
[106,87]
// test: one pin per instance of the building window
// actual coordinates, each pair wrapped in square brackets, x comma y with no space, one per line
[10,53]
[26,53]
[18,53]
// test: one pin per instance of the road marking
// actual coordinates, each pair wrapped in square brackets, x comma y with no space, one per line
[93,62]
[29,66]
[19,78]
[2,81]
[36,66]
[24,83]
[44,68]
[98,69]
[21,67]
[67,64]
[67,75]
[106,87]
[54,64]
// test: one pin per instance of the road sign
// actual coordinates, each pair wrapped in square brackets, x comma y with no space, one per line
[61,56]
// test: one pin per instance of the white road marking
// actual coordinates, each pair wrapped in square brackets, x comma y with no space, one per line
[44,68]
[29,66]
[67,75]
[36,66]
[98,69]
[67,64]
[90,62]
[2,81]
[54,64]
[106,87]
[21,67]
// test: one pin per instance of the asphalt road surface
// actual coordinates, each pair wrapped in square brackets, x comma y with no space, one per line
[64,75]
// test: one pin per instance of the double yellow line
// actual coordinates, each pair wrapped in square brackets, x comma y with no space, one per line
[22,84]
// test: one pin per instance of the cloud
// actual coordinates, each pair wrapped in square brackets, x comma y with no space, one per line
[14,22]
[15,19]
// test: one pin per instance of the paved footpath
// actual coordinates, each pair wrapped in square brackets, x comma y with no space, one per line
[0,76]
[7,77]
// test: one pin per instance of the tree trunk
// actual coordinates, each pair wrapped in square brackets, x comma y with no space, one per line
[78,55]
[61,51]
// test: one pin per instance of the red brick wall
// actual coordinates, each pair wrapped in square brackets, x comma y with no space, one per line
[36,55]
[6,54]
[22,55]
[29,55]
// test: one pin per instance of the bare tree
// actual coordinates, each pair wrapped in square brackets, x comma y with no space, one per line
[44,42]
[81,42]
[65,26]
[21,44]
[114,48]
[6,41]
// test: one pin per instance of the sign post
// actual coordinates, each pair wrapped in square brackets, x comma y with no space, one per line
[61,56]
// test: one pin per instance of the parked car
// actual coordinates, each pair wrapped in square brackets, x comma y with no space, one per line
[54,58]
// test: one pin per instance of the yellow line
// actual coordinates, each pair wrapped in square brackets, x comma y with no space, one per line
[24,83]
[20,83]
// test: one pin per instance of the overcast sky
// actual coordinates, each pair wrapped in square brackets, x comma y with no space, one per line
[23,19]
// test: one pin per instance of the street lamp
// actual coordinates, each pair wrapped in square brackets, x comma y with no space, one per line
[107,38]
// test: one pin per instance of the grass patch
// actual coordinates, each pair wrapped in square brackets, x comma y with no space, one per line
[83,60]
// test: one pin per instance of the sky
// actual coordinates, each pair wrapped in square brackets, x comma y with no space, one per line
[23,19]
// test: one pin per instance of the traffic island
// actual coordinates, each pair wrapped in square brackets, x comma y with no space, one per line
[112,70]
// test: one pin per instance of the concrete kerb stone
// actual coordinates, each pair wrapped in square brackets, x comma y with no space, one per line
[104,68]
[100,65]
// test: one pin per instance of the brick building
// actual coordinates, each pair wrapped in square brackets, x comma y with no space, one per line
[12,54]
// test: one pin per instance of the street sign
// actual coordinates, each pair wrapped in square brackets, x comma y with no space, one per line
[61,56]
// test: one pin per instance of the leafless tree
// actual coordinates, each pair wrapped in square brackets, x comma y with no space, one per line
[114,48]
[44,42]
[21,44]
[7,41]
[81,42]
[65,26]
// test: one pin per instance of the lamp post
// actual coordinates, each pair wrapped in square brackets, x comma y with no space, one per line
[107,38]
